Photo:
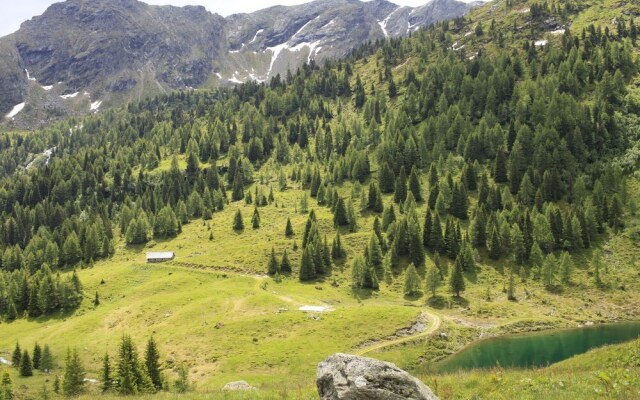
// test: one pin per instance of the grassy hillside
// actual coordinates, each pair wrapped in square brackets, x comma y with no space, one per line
[222,281]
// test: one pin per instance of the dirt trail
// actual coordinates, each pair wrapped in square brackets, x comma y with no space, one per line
[434,320]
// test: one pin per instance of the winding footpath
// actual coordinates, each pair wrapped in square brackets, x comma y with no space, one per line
[434,324]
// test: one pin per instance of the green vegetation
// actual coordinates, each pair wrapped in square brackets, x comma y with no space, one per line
[504,175]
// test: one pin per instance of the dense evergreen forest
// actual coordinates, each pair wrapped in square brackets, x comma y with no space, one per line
[512,148]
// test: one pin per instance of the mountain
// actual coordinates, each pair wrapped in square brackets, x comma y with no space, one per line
[476,179]
[83,55]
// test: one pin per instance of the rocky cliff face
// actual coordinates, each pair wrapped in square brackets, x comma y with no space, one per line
[83,55]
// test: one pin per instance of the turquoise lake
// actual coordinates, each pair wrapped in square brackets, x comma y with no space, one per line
[538,349]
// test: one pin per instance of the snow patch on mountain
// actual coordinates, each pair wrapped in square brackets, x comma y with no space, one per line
[256,35]
[29,77]
[275,50]
[384,22]
[16,109]
[70,96]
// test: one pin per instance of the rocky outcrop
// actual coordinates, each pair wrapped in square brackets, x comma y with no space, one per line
[349,377]
[13,79]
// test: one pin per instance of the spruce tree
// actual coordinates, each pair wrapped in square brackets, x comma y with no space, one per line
[411,281]
[26,367]
[386,178]
[12,313]
[400,193]
[414,184]
[237,192]
[456,278]
[17,356]
[73,381]
[238,223]
[374,253]
[369,278]
[500,167]
[255,219]
[459,202]
[375,198]
[273,266]
[307,268]
[337,252]
[106,374]
[494,246]
[285,264]
[129,375]
[340,217]
[352,216]
[37,356]
[288,231]
[388,216]
[152,362]
[377,230]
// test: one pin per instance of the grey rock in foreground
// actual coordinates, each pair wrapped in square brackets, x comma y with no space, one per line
[349,377]
[239,385]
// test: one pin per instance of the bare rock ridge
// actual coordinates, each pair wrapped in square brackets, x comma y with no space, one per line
[84,55]
[349,377]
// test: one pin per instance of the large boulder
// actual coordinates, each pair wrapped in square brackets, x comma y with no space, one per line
[349,377]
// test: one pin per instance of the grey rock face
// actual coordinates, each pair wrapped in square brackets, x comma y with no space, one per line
[349,377]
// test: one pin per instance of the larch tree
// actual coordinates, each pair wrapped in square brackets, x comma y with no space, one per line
[432,279]
[412,285]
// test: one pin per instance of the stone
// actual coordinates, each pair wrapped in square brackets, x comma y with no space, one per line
[238,386]
[349,377]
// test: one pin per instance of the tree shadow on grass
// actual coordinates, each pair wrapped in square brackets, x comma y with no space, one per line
[459,301]
[413,296]
[472,276]
[438,302]
[362,294]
